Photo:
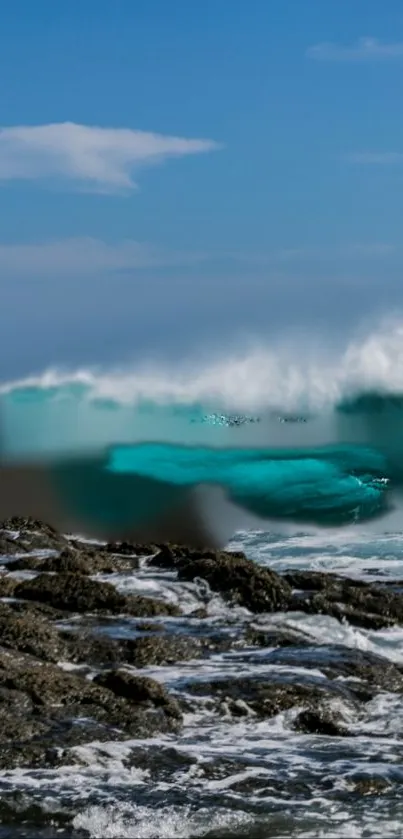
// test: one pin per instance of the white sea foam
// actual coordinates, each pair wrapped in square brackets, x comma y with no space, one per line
[286,376]
[124,822]
[349,551]
[245,776]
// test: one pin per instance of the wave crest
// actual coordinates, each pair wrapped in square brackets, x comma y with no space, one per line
[287,376]
[335,457]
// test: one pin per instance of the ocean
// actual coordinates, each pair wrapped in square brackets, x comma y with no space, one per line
[298,463]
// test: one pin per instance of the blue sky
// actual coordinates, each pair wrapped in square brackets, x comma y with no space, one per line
[181,175]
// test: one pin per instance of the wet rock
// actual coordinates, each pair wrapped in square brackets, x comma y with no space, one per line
[363,604]
[14,727]
[29,634]
[32,754]
[322,721]
[239,580]
[22,816]
[138,689]
[313,581]
[72,561]
[39,610]
[169,556]
[321,605]
[78,593]
[34,535]
[336,661]
[91,649]
[160,762]
[130,549]
[44,710]
[220,642]
[8,585]
[73,592]
[120,549]
[99,650]
[149,607]
[146,651]
[35,563]
[9,546]
[201,613]
[274,637]
[371,786]
[267,697]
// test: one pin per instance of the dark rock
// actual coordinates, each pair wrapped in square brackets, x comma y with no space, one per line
[34,535]
[39,610]
[149,607]
[371,786]
[130,549]
[35,563]
[88,648]
[319,604]
[313,580]
[146,651]
[14,727]
[363,604]
[71,561]
[320,722]
[9,546]
[201,613]
[169,556]
[95,649]
[267,697]
[15,700]
[239,580]
[120,549]
[138,689]
[78,593]
[8,585]
[274,638]
[34,754]
[220,642]
[160,762]
[44,710]
[28,524]
[336,661]
[73,592]
[29,634]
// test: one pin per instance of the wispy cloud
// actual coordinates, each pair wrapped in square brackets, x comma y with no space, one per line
[342,252]
[101,159]
[365,49]
[307,255]
[382,158]
[87,256]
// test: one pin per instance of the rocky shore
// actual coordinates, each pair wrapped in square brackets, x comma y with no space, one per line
[65,682]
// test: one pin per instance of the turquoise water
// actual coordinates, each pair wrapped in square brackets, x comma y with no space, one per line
[127,462]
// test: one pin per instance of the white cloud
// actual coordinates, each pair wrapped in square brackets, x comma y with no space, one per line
[84,255]
[376,158]
[103,159]
[365,49]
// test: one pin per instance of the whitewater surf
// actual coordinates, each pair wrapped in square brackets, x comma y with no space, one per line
[137,455]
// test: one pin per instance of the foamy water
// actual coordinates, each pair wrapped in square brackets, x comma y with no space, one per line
[225,776]
[244,777]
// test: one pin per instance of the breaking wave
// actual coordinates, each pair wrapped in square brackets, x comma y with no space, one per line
[282,436]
